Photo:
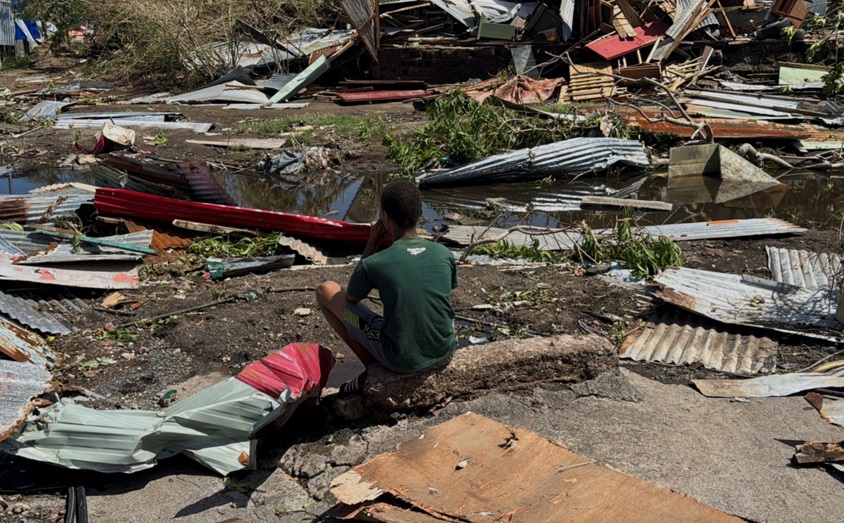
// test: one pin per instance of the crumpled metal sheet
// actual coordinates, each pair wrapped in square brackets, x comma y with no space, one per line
[574,156]
[202,183]
[215,427]
[684,338]
[45,110]
[753,302]
[23,345]
[21,311]
[19,383]
[28,208]
[769,386]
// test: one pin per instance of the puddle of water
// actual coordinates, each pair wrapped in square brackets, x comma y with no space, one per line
[808,199]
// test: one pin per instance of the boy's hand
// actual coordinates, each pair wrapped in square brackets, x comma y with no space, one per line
[376,235]
[378,230]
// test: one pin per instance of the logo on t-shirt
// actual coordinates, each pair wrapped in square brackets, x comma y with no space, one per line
[417,250]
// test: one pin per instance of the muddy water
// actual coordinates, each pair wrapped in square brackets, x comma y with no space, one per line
[808,199]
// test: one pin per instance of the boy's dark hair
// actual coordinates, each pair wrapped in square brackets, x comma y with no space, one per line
[403,202]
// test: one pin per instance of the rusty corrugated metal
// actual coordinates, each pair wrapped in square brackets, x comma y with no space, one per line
[163,243]
[753,302]
[23,345]
[31,208]
[64,305]
[146,170]
[19,384]
[21,311]
[810,270]
[309,252]
[364,17]
[203,184]
[683,338]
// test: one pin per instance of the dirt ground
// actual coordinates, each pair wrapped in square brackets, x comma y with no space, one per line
[127,362]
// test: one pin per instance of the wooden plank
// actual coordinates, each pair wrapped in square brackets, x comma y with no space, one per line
[213,229]
[93,279]
[509,470]
[603,201]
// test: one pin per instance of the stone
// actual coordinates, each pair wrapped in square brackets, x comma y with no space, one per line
[318,486]
[502,365]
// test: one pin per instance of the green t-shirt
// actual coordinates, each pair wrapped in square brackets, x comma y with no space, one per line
[414,277]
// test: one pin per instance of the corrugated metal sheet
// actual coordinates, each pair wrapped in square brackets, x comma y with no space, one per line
[64,305]
[158,116]
[575,156]
[143,124]
[31,242]
[203,184]
[118,202]
[302,80]
[551,239]
[29,208]
[220,93]
[752,302]
[19,383]
[567,14]
[66,253]
[809,270]
[45,110]
[309,252]
[21,311]
[23,345]
[683,338]
[7,24]
[215,427]
[8,250]
[709,21]
[363,15]
[736,110]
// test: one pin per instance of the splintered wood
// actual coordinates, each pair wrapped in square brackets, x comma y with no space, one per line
[589,82]
[473,469]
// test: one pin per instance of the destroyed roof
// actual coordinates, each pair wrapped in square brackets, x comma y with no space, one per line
[32,208]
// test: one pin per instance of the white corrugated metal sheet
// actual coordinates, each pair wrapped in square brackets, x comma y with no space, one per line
[682,338]
[21,382]
[809,270]
[753,302]
[7,24]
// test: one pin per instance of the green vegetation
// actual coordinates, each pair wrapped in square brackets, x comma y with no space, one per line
[219,247]
[17,62]
[11,227]
[160,138]
[171,41]
[461,130]
[641,254]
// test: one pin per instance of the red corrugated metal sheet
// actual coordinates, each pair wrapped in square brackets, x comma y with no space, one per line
[613,46]
[299,368]
[381,96]
[120,202]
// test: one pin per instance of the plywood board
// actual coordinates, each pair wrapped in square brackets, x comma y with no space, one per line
[477,470]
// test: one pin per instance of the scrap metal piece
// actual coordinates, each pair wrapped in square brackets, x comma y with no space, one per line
[197,127]
[203,184]
[752,302]
[769,386]
[220,268]
[23,345]
[810,270]
[575,156]
[19,383]
[309,252]
[427,473]
[45,110]
[21,311]
[89,279]
[216,427]
[364,17]
[30,208]
[302,80]
[683,339]
[551,239]
[830,410]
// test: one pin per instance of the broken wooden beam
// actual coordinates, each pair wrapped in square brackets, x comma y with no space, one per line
[819,452]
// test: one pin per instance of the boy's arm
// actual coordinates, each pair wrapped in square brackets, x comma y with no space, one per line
[376,235]
[359,284]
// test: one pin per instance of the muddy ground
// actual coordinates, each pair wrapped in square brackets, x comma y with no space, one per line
[126,362]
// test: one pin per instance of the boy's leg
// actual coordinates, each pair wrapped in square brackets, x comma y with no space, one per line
[331,298]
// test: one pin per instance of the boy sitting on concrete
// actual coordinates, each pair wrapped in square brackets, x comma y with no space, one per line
[414,278]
